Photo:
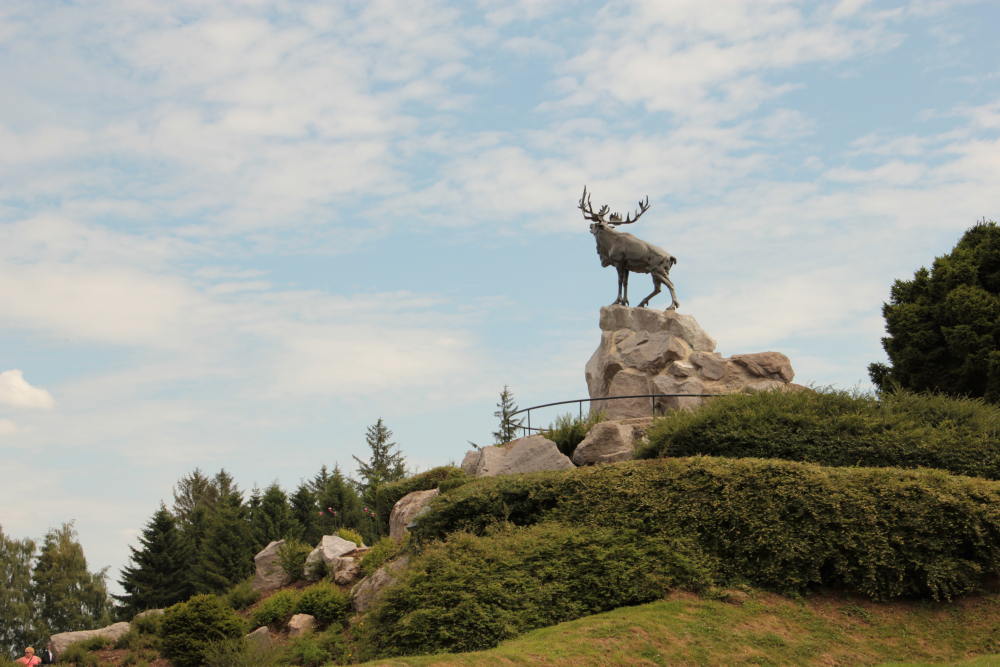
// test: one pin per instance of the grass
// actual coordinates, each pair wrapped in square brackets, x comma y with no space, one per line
[761,629]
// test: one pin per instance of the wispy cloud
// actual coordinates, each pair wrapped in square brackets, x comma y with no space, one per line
[15,391]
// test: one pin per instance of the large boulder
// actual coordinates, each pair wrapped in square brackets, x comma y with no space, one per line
[532,454]
[270,576]
[346,570]
[405,509]
[261,637]
[604,441]
[470,461]
[324,556]
[490,459]
[300,624]
[368,589]
[63,639]
[645,351]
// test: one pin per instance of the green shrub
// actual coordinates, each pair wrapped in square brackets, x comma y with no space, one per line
[351,536]
[292,558]
[275,611]
[148,624]
[324,601]
[242,595]
[839,428]
[453,483]
[134,641]
[96,643]
[74,654]
[469,593]
[238,652]
[387,495]
[381,553]
[569,431]
[316,649]
[188,628]
[883,532]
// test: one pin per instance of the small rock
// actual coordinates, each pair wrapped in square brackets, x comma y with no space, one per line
[301,624]
[772,365]
[346,570]
[261,637]
[270,576]
[607,439]
[405,509]
[329,549]
[682,369]
[710,367]
[368,589]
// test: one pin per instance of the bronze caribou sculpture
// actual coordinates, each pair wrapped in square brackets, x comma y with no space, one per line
[627,253]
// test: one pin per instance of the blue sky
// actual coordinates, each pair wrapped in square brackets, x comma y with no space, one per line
[234,234]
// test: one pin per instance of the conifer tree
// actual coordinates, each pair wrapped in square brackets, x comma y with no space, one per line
[385,465]
[338,501]
[228,548]
[271,520]
[18,625]
[69,597]
[305,515]
[157,575]
[508,425]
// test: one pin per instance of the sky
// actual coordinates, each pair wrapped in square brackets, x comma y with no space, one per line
[234,234]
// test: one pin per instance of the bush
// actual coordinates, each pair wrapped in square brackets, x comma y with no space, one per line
[839,428]
[292,558]
[469,593]
[883,532]
[242,595]
[381,553]
[148,624]
[569,431]
[387,495]
[96,643]
[276,610]
[351,536]
[324,601]
[313,650]
[238,653]
[188,628]
[74,654]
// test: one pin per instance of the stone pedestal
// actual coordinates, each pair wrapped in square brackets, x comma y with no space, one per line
[645,351]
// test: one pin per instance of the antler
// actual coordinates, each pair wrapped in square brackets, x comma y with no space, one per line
[616,219]
[588,209]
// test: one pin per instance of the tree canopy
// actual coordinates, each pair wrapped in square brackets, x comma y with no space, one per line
[943,326]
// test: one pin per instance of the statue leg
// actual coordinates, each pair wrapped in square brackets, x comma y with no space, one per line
[665,278]
[622,277]
[625,282]
[656,290]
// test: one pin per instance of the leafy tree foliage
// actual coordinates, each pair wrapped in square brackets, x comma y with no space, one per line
[18,625]
[68,596]
[508,425]
[385,465]
[944,325]
[157,574]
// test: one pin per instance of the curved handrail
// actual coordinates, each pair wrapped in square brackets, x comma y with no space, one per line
[581,401]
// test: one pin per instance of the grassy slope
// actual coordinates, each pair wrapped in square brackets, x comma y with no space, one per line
[765,629]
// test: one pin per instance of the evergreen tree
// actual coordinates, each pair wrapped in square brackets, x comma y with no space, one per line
[306,524]
[338,501]
[508,425]
[193,491]
[272,519]
[385,465]
[227,551]
[944,325]
[69,597]
[18,625]
[158,572]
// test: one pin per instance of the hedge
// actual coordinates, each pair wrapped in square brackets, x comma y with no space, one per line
[839,428]
[387,495]
[469,593]
[883,532]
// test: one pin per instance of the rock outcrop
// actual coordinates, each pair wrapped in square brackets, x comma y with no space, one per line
[529,454]
[63,639]
[645,351]
[368,589]
[300,624]
[270,576]
[324,557]
[405,509]
[261,637]
[346,570]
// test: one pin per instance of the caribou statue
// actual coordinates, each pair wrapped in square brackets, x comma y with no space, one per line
[627,253]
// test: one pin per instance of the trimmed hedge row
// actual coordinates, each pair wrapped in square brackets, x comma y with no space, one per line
[839,428]
[469,593]
[387,495]
[787,526]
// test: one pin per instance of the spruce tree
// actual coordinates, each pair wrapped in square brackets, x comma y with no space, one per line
[157,575]
[228,548]
[338,501]
[306,524]
[18,624]
[69,597]
[271,520]
[508,425]
[385,465]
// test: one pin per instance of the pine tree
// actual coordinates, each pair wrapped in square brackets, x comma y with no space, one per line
[305,515]
[508,425]
[338,501]
[385,465]
[157,574]
[228,548]
[193,491]
[18,624]
[69,596]
[272,519]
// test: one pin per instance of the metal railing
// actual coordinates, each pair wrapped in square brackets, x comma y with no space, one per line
[527,429]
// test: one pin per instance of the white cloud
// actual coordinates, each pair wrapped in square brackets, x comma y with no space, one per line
[15,390]
[7,427]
